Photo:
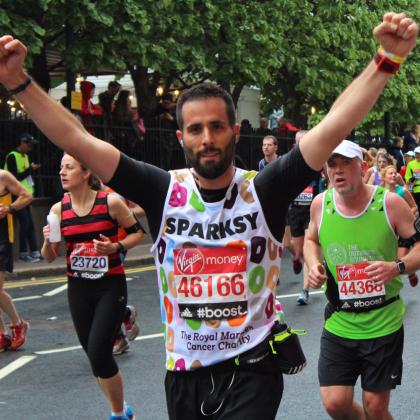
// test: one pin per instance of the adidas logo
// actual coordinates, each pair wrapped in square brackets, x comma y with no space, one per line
[186,313]
[345,305]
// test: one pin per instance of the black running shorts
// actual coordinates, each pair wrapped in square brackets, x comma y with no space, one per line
[378,361]
[6,257]
[245,394]
[299,217]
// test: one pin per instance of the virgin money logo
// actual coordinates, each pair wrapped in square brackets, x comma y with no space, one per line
[347,272]
[189,261]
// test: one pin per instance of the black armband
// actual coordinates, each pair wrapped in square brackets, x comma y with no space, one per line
[409,242]
[134,228]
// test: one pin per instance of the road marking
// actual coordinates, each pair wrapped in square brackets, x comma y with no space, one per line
[316,292]
[156,335]
[26,298]
[58,350]
[11,367]
[150,336]
[23,283]
[56,291]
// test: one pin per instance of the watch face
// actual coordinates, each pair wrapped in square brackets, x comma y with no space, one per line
[400,267]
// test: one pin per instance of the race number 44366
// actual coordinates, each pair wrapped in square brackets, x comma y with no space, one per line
[353,282]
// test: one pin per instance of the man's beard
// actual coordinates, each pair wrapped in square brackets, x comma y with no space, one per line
[211,170]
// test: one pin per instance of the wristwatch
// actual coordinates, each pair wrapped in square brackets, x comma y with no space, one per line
[120,248]
[400,266]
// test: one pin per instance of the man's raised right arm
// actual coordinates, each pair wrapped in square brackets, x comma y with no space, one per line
[59,125]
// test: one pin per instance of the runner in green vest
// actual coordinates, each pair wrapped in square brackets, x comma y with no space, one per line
[18,163]
[355,228]
[412,176]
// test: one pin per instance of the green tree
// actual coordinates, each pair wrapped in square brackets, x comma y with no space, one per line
[328,45]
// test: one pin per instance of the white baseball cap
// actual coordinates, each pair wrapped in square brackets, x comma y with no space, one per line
[417,150]
[410,153]
[349,149]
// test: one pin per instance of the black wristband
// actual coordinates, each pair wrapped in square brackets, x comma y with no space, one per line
[21,87]
[12,209]
[120,248]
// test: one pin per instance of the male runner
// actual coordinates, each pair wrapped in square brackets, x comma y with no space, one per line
[269,149]
[217,234]
[355,228]
[9,187]
[299,216]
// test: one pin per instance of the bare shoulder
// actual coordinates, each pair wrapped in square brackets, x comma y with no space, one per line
[56,208]
[399,213]
[393,201]
[5,175]
[316,210]
[316,205]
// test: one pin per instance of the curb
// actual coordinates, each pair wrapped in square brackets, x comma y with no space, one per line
[60,270]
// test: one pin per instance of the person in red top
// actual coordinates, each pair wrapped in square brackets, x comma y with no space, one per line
[97,289]
[89,109]
[286,128]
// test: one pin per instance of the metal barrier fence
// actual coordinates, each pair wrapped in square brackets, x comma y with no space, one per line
[158,146]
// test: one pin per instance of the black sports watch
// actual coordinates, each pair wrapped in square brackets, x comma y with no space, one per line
[400,266]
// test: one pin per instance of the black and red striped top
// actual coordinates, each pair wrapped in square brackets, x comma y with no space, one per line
[84,229]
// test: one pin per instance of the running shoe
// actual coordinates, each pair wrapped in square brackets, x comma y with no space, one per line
[128,414]
[27,258]
[18,334]
[303,298]
[413,279]
[36,256]
[131,325]
[128,411]
[297,266]
[5,342]
[121,345]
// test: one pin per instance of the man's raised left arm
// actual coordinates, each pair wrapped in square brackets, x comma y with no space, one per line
[397,35]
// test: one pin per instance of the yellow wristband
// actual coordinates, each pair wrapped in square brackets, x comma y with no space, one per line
[394,58]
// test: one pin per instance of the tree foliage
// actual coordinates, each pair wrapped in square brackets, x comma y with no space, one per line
[329,45]
[301,53]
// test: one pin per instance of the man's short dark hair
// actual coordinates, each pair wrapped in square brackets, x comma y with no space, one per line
[273,138]
[114,84]
[205,91]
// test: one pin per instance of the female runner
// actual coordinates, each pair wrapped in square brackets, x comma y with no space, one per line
[97,289]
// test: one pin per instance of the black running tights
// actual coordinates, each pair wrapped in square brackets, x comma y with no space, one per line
[97,308]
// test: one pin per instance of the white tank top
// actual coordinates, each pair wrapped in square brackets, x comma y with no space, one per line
[218,267]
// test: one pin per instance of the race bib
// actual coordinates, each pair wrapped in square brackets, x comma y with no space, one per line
[417,174]
[306,196]
[88,262]
[211,282]
[357,291]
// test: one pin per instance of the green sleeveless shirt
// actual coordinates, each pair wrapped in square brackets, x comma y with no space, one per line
[351,240]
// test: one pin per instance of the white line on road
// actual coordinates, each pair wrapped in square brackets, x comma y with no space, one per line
[317,292]
[148,337]
[56,291]
[157,335]
[18,363]
[59,350]
[26,298]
